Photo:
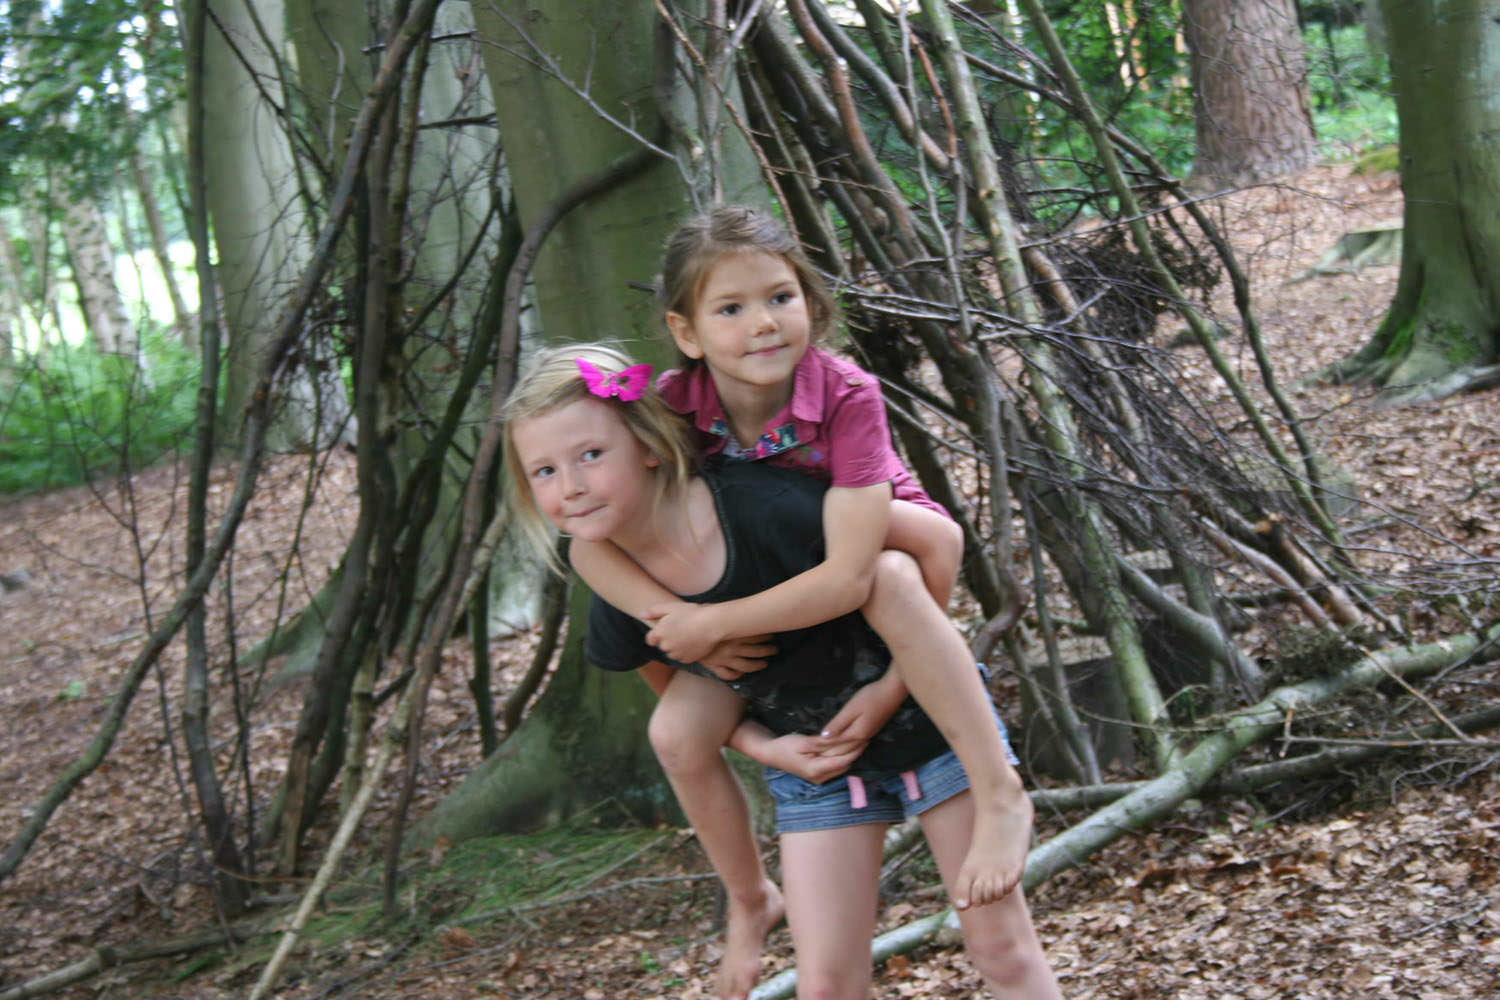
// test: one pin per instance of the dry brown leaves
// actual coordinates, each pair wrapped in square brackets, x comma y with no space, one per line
[1395,899]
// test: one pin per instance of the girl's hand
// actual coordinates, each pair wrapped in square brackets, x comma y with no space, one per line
[804,756]
[865,713]
[685,632]
[731,660]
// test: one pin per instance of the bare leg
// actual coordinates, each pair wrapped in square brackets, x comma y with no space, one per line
[935,664]
[1000,938]
[936,543]
[688,729]
[832,877]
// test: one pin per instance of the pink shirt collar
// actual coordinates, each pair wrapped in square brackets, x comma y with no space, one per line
[693,392]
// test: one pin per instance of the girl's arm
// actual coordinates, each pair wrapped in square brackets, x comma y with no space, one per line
[854,530]
[807,757]
[866,712]
[620,581]
[617,578]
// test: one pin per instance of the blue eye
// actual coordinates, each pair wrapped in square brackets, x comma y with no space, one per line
[592,454]
[542,472]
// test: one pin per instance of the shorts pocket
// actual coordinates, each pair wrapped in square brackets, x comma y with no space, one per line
[789,788]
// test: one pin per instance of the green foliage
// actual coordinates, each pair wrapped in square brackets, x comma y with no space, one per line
[1304,653]
[78,414]
[1349,86]
[79,74]
[1140,83]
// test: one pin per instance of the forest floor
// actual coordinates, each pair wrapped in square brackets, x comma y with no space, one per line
[1382,883]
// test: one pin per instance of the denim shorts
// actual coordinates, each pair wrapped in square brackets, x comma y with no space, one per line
[869,796]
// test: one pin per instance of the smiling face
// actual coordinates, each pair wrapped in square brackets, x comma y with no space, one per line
[750,325]
[587,473]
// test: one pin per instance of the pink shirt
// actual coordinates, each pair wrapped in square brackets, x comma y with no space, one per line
[833,428]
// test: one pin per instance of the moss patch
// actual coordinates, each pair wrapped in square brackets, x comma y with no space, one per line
[1380,160]
[497,874]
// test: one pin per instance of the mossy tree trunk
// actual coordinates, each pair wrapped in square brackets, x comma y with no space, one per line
[584,740]
[582,745]
[1444,321]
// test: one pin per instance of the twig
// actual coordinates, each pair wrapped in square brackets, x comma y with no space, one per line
[1433,925]
[108,958]
[603,890]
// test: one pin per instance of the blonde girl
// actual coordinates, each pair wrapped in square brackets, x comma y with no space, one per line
[744,307]
[594,453]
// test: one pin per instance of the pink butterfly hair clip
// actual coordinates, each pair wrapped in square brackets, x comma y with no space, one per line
[628,385]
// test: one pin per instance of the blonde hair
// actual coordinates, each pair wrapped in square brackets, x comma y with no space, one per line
[704,240]
[552,381]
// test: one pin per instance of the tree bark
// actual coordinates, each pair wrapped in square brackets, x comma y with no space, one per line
[12,294]
[261,227]
[93,263]
[554,135]
[1444,320]
[583,743]
[1250,106]
[141,178]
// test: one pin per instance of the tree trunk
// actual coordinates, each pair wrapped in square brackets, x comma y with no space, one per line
[1250,105]
[583,744]
[143,181]
[12,294]
[1444,320]
[553,137]
[93,263]
[260,226]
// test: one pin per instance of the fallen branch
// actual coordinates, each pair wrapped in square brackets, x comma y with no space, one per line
[1149,801]
[108,958]
[1160,796]
[1258,776]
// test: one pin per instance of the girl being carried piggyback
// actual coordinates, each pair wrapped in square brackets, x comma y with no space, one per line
[744,307]
[593,451]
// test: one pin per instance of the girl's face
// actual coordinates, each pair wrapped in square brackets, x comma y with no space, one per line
[588,474]
[750,324]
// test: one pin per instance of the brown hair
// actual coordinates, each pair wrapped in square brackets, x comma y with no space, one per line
[702,241]
[551,381]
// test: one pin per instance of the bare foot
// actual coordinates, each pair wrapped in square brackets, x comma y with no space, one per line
[748,924]
[997,851]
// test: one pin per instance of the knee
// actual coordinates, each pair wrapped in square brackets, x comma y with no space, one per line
[998,959]
[947,556]
[1009,962]
[679,742]
[895,574]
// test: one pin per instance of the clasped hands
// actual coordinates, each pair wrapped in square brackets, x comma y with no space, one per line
[690,633]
